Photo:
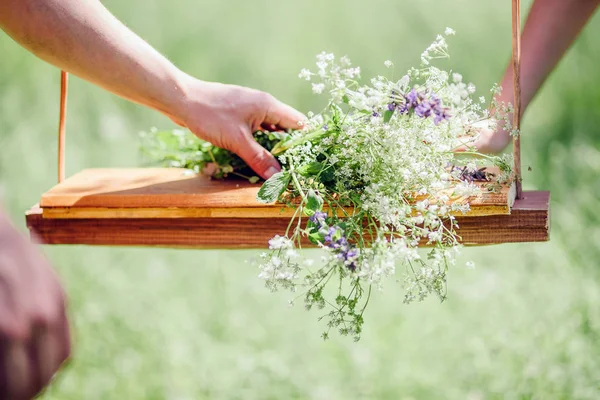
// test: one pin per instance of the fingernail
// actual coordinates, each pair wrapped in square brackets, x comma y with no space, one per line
[270,172]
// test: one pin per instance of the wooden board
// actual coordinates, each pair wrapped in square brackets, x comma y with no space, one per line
[528,222]
[171,193]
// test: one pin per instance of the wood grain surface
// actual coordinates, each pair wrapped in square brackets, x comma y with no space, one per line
[171,193]
[528,222]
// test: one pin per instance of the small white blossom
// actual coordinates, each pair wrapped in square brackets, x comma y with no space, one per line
[449,31]
[280,242]
[318,88]
[305,74]
[345,61]
[388,63]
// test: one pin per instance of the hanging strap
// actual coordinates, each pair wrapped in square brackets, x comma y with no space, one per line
[64,81]
[516,64]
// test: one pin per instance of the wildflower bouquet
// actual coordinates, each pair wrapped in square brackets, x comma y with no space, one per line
[370,179]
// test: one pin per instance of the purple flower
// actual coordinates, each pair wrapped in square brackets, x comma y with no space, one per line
[413,98]
[441,114]
[424,109]
[403,109]
[318,218]
[350,257]
[332,231]
[375,114]
[325,127]
[391,106]
[343,250]
[352,253]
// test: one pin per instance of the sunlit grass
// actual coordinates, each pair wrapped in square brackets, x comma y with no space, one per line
[174,324]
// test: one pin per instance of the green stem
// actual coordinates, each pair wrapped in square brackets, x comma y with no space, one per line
[297,185]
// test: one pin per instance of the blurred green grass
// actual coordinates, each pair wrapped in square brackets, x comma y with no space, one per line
[174,324]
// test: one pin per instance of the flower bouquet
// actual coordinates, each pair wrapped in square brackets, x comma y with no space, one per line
[370,178]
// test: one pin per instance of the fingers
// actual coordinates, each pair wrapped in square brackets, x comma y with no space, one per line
[282,115]
[17,372]
[467,144]
[27,367]
[257,157]
[47,352]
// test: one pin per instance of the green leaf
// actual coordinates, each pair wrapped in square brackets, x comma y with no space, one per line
[315,237]
[387,115]
[314,203]
[345,99]
[327,175]
[273,188]
[253,179]
[312,168]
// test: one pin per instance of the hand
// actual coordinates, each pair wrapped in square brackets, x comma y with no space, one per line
[486,140]
[228,115]
[34,332]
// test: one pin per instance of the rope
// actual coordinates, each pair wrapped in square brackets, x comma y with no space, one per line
[64,81]
[516,62]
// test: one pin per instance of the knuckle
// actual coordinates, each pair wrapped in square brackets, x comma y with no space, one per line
[259,159]
[265,99]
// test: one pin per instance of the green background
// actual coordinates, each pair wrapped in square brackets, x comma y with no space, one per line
[175,324]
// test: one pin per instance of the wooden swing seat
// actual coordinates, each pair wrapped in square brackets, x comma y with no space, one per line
[167,207]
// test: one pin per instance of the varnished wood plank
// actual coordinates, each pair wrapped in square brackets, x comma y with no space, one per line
[170,193]
[229,212]
[149,188]
[528,222]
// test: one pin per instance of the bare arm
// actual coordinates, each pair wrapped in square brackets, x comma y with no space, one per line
[551,27]
[84,38]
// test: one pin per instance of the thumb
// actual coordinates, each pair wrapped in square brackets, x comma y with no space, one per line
[257,157]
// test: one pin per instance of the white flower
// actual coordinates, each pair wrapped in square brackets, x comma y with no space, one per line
[352,72]
[327,57]
[388,63]
[318,88]
[339,84]
[305,74]
[449,31]
[345,61]
[466,189]
[470,264]
[456,77]
[421,206]
[435,236]
[280,242]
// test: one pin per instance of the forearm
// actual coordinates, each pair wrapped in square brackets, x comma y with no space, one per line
[84,38]
[551,27]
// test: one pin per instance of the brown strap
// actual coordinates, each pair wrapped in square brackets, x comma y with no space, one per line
[516,62]
[64,81]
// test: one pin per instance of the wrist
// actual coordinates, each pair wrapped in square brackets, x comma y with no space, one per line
[175,96]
